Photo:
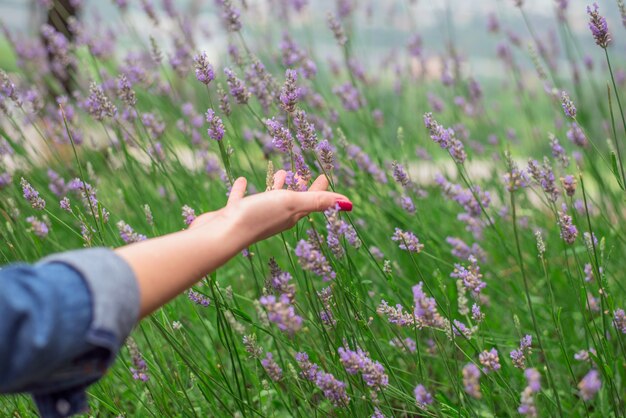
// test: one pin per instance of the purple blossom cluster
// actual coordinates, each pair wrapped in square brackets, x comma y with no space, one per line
[204,70]
[359,361]
[470,275]
[334,390]
[543,175]
[127,233]
[446,138]
[422,396]
[216,127]
[281,312]
[527,403]
[281,136]
[489,360]
[519,355]
[407,241]
[598,26]
[338,228]
[312,259]
[139,370]
[569,232]
[32,195]
[189,215]
[471,380]
[272,368]
[589,385]
[198,298]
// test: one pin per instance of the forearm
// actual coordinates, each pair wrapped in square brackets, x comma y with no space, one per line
[168,265]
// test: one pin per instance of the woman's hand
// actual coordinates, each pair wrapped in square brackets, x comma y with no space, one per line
[165,266]
[265,214]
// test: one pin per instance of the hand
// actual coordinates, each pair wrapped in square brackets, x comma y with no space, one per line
[265,214]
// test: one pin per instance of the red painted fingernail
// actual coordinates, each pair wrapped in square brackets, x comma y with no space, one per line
[345,205]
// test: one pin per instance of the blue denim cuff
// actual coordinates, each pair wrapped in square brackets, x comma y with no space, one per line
[114,293]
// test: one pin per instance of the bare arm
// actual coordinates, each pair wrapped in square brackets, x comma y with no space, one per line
[167,265]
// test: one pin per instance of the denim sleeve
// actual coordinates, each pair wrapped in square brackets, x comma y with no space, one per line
[62,322]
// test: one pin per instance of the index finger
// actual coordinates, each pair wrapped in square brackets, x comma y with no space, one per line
[308,202]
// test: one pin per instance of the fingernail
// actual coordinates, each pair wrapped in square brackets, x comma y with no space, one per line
[345,205]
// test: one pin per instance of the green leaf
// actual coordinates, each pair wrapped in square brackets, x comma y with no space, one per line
[615,170]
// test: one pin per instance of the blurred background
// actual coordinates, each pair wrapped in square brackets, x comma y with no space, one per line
[384,26]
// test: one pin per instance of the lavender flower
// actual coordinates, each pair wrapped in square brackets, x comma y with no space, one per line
[128,234]
[489,360]
[282,313]
[463,251]
[568,106]
[589,385]
[204,70]
[216,127]
[407,241]
[569,232]
[477,315]
[125,91]
[446,139]
[569,184]
[576,135]
[39,228]
[272,369]
[425,312]
[326,314]
[189,215]
[309,370]
[470,275]
[65,204]
[396,315]
[280,280]
[32,195]
[350,96]
[335,26]
[399,174]
[422,396]
[598,26]
[325,152]
[252,347]
[140,368]
[558,151]
[237,88]
[334,390]
[224,103]
[544,176]
[98,104]
[527,403]
[289,93]
[471,382]
[619,320]
[372,372]
[231,17]
[198,298]
[281,137]
[305,131]
[338,228]
[519,355]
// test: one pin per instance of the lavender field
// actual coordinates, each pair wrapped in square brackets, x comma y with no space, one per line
[481,270]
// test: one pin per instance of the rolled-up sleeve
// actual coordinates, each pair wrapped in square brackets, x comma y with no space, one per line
[62,322]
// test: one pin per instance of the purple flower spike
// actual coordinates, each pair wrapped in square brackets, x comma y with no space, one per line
[422,396]
[216,126]
[590,385]
[204,70]
[289,94]
[407,241]
[598,26]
